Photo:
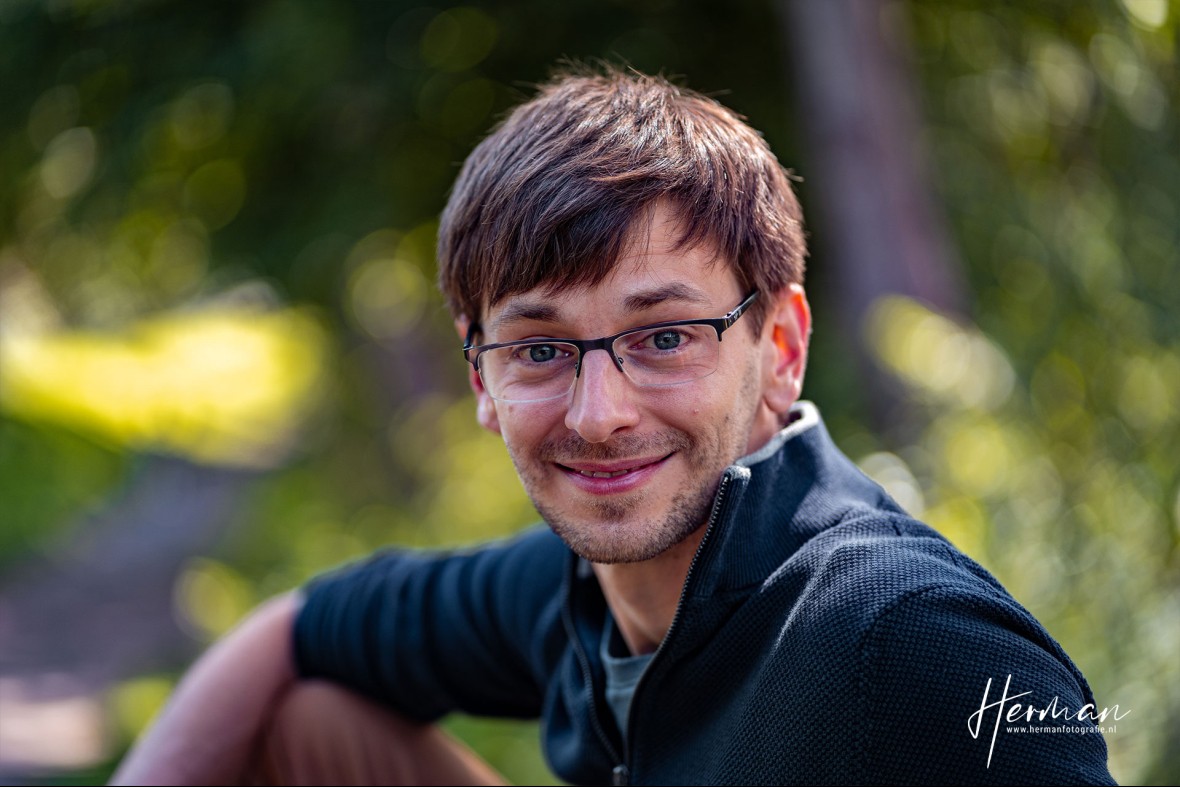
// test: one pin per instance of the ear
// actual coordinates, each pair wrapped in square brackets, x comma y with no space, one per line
[485,406]
[785,334]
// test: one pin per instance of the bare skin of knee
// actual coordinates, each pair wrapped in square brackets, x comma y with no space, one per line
[322,733]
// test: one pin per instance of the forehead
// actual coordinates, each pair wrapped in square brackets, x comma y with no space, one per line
[652,274]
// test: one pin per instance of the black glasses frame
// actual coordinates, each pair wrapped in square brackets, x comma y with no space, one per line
[472,352]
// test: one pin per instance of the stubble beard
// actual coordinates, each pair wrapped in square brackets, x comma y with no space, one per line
[614,533]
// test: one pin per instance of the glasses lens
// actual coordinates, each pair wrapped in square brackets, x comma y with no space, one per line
[670,355]
[528,372]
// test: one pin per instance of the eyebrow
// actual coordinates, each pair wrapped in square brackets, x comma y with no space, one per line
[524,311]
[669,292]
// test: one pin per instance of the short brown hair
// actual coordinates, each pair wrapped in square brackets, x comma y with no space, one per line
[550,196]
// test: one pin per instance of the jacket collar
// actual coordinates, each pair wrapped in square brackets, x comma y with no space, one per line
[770,503]
[774,500]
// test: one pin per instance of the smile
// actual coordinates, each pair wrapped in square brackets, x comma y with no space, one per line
[615,477]
[596,472]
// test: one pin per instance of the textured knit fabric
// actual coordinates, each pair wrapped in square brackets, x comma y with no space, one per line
[823,637]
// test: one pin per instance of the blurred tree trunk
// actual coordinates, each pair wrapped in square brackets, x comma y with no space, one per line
[878,225]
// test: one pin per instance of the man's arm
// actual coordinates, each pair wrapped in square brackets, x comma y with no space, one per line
[431,633]
[206,733]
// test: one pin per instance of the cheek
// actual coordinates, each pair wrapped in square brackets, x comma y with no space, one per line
[691,408]
[523,426]
[676,402]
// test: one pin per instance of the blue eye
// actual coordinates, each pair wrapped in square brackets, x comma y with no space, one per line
[540,353]
[667,340]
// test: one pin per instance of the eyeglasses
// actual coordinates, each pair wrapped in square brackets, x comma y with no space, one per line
[665,353]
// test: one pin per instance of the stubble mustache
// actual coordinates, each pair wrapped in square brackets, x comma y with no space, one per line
[574,448]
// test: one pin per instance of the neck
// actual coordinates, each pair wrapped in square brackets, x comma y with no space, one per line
[643,596]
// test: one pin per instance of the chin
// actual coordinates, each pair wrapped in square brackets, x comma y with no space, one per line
[615,534]
[611,551]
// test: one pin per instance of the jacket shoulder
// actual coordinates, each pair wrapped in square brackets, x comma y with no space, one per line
[873,560]
[912,634]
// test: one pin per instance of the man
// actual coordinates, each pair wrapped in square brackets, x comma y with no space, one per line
[720,595]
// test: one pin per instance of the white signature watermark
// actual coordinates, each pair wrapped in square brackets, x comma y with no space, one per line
[1027,712]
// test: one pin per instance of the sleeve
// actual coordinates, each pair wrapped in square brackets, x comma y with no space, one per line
[965,687]
[429,634]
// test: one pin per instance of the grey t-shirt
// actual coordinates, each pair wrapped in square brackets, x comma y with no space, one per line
[623,672]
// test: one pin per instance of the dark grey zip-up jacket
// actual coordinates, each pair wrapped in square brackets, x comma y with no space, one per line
[823,636]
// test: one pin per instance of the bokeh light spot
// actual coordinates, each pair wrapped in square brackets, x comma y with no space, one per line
[937,356]
[136,702]
[963,521]
[202,115]
[894,475]
[69,162]
[210,597]
[216,192]
[977,455]
[1146,397]
[1067,81]
[387,296]
[221,386]
[1149,14]
[54,111]
[179,257]
[1058,391]
[458,39]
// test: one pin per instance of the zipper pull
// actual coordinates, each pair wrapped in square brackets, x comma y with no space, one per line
[620,776]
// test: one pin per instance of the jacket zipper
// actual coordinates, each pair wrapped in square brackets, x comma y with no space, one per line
[588,678]
[622,773]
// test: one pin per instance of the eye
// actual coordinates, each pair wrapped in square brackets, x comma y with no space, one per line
[541,353]
[666,340]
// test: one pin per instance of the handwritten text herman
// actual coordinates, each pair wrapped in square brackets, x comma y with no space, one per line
[1016,711]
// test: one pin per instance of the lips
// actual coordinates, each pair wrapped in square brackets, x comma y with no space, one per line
[615,477]
[614,470]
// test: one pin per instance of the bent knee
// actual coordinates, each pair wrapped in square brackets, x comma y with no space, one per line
[328,708]
[324,733]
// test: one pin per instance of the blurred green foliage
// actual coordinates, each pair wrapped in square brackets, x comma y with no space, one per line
[166,159]
[1054,138]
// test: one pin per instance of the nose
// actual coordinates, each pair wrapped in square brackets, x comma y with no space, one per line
[602,400]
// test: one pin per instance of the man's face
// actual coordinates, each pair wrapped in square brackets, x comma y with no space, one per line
[623,472]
